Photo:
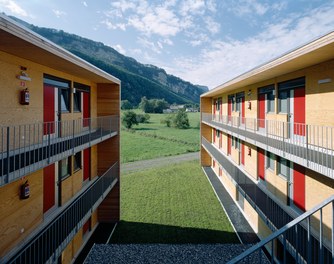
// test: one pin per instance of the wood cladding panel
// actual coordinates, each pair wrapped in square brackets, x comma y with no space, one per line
[108,99]
[109,209]
[20,215]
[108,153]
[205,158]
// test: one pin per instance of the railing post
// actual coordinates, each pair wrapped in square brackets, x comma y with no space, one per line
[73,134]
[306,139]
[332,231]
[8,140]
[49,142]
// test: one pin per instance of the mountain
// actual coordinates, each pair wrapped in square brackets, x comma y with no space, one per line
[138,80]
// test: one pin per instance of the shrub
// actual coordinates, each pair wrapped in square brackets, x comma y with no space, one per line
[143,118]
[126,105]
[129,119]
[181,120]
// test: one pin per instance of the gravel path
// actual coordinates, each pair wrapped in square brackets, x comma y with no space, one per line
[152,163]
[164,253]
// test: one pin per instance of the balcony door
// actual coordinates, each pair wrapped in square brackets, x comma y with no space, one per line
[298,190]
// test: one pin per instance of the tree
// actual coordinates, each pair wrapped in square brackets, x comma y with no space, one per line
[146,105]
[126,105]
[181,119]
[160,105]
[143,118]
[129,119]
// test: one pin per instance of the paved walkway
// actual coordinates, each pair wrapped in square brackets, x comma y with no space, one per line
[152,163]
[241,225]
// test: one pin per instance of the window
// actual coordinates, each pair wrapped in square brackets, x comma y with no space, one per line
[270,102]
[284,168]
[239,98]
[217,133]
[64,100]
[64,168]
[283,101]
[232,139]
[271,161]
[77,161]
[77,101]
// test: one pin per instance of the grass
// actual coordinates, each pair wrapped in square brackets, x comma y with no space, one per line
[154,139]
[173,204]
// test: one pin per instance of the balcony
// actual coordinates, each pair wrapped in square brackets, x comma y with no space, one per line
[311,146]
[49,243]
[27,148]
[271,212]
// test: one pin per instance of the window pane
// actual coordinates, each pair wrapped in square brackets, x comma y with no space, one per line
[270,102]
[77,161]
[77,101]
[64,100]
[284,168]
[64,168]
[271,161]
[283,101]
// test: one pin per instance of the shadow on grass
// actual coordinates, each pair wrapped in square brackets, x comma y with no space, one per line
[140,233]
[144,128]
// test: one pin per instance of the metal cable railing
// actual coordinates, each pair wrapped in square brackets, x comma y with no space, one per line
[288,251]
[27,148]
[272,213]
[311,146]
[47,246]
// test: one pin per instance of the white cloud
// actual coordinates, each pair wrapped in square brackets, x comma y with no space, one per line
[13,7]
[224,60]
[159,21]
[192,7]
[110,25]
[255,7]
[120,49]
[212,25]
[85,3]
[59,13]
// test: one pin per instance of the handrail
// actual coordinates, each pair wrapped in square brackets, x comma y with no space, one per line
[48,244]
[311,146]
[287,227]
[27,148]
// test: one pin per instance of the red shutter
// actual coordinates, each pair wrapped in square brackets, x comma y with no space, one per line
[299,111]
[48,187]
[260,163]
[48,109]
[262,110]
[299,186]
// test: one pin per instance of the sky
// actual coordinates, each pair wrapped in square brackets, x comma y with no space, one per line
[206,42]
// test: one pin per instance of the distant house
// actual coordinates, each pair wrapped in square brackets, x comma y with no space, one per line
[191,110]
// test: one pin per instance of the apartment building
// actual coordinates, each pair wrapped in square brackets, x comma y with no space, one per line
[59,149]
[268,135]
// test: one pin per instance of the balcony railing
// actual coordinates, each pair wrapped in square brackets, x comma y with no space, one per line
[267,208]
[48,245]
[299,251]
[27,148]
[309,145]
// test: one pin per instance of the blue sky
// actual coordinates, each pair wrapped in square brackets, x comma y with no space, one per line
[206,42]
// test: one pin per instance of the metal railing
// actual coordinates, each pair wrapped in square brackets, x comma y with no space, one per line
[269,210]
[27,148]
[280,248]
[48,245]
[309,145]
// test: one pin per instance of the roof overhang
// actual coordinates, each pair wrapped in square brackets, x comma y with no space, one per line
[315,52]
[24,43]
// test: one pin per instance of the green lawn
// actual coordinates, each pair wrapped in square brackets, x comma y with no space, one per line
[173,204]
[154,139]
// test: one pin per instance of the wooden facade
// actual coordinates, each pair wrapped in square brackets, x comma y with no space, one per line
[309,72]
[24,53]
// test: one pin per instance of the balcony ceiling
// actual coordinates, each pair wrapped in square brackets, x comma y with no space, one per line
[313,53]
[23,43]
